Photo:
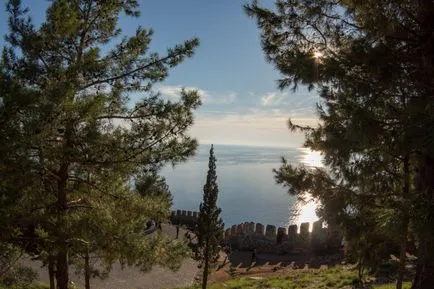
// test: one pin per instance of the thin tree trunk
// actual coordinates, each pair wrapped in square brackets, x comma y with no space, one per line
[86,270]
[205,267]
[360,269]
[405,223]
[51,272]
[86,258]
[402,252]
[62,275]
[424,277]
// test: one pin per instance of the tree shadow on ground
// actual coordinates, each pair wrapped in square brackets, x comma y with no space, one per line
[243,259]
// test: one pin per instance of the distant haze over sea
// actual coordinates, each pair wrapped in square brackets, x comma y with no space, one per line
[247,189]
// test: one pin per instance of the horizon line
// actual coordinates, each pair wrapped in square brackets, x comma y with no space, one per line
[251,145]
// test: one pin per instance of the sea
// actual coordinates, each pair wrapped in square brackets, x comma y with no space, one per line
[247,189]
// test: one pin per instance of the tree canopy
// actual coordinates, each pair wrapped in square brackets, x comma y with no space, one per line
[79,121]
[372,64]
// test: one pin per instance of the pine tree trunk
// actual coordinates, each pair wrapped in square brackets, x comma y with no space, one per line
[62,275]
[424,277]
[405,223]
[403,250]
[86,270]
[51,272]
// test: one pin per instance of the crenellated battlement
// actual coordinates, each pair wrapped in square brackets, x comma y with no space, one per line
[272,239]
[183,217]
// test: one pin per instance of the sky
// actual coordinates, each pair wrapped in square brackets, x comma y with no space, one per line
[241,102]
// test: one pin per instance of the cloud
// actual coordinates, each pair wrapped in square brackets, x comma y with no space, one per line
[173,92]
[251,119]
[300,100]
[254,128]
[273,98]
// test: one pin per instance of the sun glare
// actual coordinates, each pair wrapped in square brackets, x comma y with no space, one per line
[304,212]
[311,158]
[317,55]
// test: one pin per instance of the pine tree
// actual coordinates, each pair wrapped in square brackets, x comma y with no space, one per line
[73,138]
[375,79]
[210,226]
[149,183]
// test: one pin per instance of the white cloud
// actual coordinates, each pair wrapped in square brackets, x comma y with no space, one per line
[302,102]
[173,92]
[249,123]
[273,98]
[262,129]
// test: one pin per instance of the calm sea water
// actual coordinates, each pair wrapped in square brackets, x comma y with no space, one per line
[247,189]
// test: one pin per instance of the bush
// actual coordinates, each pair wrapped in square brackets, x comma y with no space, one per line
[18,275]
[25,286]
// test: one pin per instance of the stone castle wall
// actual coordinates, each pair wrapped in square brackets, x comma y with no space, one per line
[280,240]
[184,218]
[272,239]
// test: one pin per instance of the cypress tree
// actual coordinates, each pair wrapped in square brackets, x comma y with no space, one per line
[210,226]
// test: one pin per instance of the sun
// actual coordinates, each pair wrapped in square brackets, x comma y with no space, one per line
[317,55]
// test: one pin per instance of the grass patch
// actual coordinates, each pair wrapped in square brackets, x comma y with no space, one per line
[338,277]
[298,279]
[405,285]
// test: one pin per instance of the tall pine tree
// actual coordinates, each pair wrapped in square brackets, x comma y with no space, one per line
[375,79]
[210,226]
[73,138]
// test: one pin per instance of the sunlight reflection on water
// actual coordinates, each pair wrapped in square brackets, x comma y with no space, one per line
[247,189]
[310,158]
[303,212]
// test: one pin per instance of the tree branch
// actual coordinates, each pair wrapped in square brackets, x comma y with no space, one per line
[124,116]
[110,79]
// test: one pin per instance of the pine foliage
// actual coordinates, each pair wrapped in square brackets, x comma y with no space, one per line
[372,64]
[79,120]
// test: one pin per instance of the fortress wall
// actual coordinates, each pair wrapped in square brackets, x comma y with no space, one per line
[183,217]
[269,238]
